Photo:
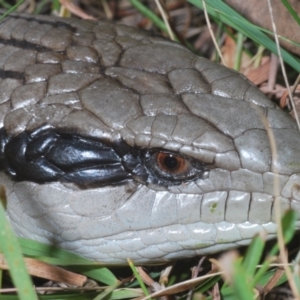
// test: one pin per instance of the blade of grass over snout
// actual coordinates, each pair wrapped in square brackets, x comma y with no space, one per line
[288,223]
[288,229]
[221,11]
[244,270]
[229,294]
[239,272]
[242,288]
[9,246]
[246,275]
[253,255]
[60,257]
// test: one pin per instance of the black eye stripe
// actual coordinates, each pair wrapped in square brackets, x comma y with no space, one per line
[52,156]
[47,155]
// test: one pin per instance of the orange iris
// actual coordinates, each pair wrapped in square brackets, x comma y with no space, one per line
[171,163]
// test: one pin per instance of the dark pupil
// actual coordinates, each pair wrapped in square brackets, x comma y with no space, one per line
[170,162]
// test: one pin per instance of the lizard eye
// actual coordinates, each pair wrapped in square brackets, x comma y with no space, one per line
[171,163]
[166,167]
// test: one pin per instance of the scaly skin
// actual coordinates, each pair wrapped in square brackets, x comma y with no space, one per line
[111,82]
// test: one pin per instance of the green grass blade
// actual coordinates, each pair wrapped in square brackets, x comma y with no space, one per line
[138,277]
[101,274]
[239,52]
[288,222]
[127,293]
[36,249]
[62,257]
[253,255]
[117,294]
[11,9]
[149,14]
[292,12]
[40,5]
[242,288]
[12,252]
[208,284]
[55,5]
[107,291]
[228,293]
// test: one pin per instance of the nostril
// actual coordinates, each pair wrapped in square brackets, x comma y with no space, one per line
[296,191]
[291,188]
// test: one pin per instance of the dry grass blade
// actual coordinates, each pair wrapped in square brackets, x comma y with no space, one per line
[280,237]
[47,271]
[281,62]
[273,281]
[165,18]
[211,33]
[182,286]
[75,10]
[260,74]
